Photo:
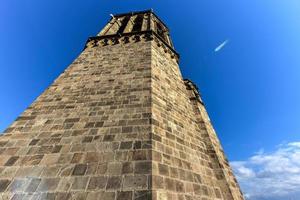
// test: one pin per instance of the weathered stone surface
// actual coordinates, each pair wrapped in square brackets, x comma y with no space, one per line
[3,184]
[124,195]
[119,123]
[135,182]
[97,183]
[79,170]
[114,183]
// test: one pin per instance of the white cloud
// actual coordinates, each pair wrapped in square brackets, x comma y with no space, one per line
[295,144]
[271,176]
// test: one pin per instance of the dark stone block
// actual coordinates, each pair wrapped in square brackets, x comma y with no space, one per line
[12,160]
[127,168]
[97,183]
[25,118]
[143,195]
[126,145]
[122,123]
[89,125]
[87,139]
[163,169]
[139,155]
[56,148]
[114,183]
[127,129]
[3,184]
[124,195]
[109,138]
[72,120]
[34,142]
[99,124]
[79,170]
[143,167]
[137,145]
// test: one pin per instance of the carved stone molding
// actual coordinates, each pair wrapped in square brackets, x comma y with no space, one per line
[131,37]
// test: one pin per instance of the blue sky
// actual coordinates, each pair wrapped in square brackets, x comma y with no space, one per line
[250,87]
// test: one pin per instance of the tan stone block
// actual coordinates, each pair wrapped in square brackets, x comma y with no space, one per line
[157,182]
[65,184]
[80,183]
[114,168]
[50,159]
[50,171]
[4,159]
[48,184]
[29,171]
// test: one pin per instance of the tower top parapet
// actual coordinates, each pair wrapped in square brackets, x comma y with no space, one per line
[137,22]
[135,27]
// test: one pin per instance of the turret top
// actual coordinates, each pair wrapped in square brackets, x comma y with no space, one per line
[135,22]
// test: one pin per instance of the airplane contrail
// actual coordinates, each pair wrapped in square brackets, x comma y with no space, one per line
[221,45]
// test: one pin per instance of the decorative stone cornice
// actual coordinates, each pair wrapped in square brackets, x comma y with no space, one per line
[125,38]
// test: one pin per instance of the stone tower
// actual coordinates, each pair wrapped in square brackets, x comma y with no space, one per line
[119,123]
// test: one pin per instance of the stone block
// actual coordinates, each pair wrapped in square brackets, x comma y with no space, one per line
[135,182]
[114,183]
[97,183]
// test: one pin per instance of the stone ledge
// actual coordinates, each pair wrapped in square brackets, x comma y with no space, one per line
[131,37]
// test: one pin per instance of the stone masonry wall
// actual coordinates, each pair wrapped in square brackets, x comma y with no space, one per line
[184,165]
[119,124]
[88,135]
